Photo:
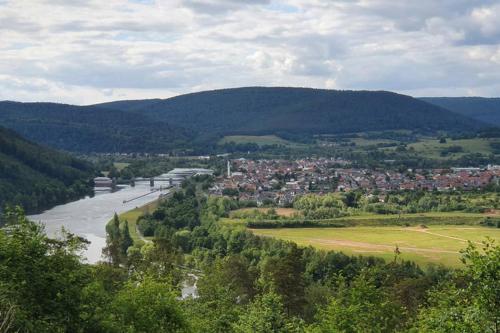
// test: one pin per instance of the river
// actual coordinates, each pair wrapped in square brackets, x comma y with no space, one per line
[88,217]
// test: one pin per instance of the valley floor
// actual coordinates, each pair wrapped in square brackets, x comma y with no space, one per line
[437,244]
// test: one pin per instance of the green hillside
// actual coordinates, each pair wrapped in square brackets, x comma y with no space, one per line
[200,120]
[90,129]
[37,177]
[479,108]
[289,112]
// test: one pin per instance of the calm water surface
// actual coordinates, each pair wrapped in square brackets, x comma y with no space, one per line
[88,217]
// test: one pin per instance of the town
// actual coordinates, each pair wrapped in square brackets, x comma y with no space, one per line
[281,181]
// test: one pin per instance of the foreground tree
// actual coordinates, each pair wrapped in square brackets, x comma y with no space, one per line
[266,314]
[471,302]
[285,275]
[41,279]
[146,306]
[113,248]
[360,307]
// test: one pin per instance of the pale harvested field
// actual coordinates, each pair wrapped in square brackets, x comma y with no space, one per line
[286,212]
[439,244]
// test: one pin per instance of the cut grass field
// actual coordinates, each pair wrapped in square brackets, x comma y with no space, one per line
[286,212]
[120,165]
[371,142]
[260,140]
[133,215]
[431,148]
[366,220]
[439,244]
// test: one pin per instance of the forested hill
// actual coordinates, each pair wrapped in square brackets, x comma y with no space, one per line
[37,177]
[479,108]
[259,110]
[200,119]
[90,129]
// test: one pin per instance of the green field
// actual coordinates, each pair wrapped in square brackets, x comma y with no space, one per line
[120,165]
[439,244]
[364,219]
[431,148]
[362,142]
[260,140]
[133,215]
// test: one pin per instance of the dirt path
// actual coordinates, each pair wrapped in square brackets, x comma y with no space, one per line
[493,212]
[440,235]
[371,246]
[141,237]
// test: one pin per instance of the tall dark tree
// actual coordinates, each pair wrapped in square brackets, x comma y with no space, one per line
[126,240]
[285,275]
[114,247]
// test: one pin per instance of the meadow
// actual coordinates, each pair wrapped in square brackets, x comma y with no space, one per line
[436,244]
[261,140]
[284,212]
[132,216]
[432,237]
[431,148]
[120,165]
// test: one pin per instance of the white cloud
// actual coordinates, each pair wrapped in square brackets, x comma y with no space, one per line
[91,51]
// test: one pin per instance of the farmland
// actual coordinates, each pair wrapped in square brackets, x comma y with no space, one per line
[285,212]
[259,140]
[438,244]
[431,148]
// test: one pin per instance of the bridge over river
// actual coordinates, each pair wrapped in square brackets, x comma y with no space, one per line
[88,217]
[176,176]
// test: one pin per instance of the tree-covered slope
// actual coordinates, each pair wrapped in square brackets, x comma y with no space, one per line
[483,109]
[259,110]
[199,119]
[90,129]
[37,177]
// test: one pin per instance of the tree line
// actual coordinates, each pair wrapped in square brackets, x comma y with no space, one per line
[245,283]
[37,177]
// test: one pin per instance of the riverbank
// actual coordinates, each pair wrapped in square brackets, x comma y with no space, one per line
[132,216]
[88,217]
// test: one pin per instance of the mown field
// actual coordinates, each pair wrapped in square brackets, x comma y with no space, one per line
[260,140]
[120,165]
[434,237]
[285,212]
[363,142]
[133,215]
[438,244]
[431,148]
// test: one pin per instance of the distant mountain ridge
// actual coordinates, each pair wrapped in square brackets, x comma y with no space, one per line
[480,108]
[89,128]
[199,120]
[260,110]
[37,177]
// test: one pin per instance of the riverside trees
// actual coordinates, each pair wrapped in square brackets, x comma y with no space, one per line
[247,284]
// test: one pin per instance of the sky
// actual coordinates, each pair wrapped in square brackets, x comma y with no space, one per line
[86,51]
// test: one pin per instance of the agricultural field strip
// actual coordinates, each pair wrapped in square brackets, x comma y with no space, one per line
[442,241]
[450,237]
[371,246]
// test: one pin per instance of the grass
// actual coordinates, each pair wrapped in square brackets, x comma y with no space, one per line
[133,215]
[260,140]
[366,219]
[438,244]
[362,142]
[286,212]
[430,215]
[120,165]
[431,148]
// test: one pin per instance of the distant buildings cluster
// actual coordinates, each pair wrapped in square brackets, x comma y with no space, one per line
[280,181]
